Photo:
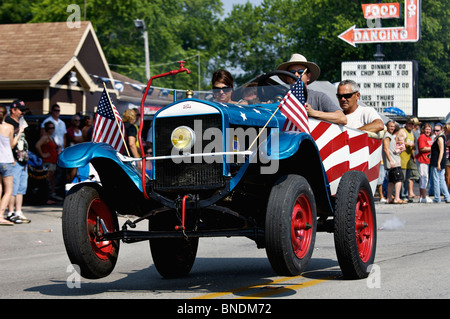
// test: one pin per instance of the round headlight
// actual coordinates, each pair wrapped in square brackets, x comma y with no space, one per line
[183,138]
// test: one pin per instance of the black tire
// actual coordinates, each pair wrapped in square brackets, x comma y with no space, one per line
[355,226]
[38,188]
[172,257]
[81,208]
[291,224]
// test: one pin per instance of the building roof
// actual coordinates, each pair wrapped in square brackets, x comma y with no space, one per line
[37,51]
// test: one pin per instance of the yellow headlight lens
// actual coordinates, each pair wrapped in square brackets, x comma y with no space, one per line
[183,137]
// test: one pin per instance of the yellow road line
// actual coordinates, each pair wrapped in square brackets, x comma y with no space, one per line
[237,290]
[268,292]
[286,289]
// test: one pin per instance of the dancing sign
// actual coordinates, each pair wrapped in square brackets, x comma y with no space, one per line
[410,32]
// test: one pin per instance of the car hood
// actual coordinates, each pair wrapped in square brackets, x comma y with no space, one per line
[242,115]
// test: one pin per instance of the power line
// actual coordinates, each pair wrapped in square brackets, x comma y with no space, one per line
[161,64]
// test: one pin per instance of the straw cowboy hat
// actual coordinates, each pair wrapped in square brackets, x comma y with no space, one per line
[300,59]
[415,121]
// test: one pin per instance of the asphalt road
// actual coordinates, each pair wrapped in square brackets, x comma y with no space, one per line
[411,262]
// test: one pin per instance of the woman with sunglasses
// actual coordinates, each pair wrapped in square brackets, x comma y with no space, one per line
[222,85]
[437,165]
[59,134]
[48,150]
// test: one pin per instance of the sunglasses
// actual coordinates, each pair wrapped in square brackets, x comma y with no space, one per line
[225,89]
[346,95]
[50,128]
[299,71]
[56,110]
[436,130]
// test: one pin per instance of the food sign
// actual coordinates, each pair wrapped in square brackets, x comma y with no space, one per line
[410,32]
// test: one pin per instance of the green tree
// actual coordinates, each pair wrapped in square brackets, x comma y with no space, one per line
[176,30]
[249,41]
[16,11]
[260,38]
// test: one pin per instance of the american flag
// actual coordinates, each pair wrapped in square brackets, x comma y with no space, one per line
[293,107]
[107,123]
[343,149]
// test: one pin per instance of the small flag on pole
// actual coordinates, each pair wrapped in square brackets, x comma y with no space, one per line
[108,126]
[293,107]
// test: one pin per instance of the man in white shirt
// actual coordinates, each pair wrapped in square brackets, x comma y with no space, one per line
[60,127]
[362,118]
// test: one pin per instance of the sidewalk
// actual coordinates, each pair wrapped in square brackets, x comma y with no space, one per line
[416,192]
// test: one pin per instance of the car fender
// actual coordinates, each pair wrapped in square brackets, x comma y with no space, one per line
[84,153]
[284,144]
[297,153]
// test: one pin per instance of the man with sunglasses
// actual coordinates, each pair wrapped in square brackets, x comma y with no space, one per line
[359,117]
[318,104]
[59,136]
[60,127]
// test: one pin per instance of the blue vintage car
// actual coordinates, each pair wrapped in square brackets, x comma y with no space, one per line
[227,170]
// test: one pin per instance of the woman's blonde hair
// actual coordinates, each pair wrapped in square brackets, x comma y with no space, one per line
[129,116]
[447,127]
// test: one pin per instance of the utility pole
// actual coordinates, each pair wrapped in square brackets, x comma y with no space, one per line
[140,25]
[379,56]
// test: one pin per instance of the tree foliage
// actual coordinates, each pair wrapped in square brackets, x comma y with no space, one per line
[249,41]
[279,28]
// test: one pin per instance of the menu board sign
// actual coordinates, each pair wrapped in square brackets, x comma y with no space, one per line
[385,84]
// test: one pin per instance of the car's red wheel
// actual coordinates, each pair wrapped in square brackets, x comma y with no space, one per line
[364,226]
[355,227]
[301,224]
[99,210]
[290,229]
[85,217]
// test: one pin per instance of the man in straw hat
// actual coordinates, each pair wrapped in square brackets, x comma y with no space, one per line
[318,104]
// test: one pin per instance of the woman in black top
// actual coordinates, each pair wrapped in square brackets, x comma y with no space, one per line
[437,165]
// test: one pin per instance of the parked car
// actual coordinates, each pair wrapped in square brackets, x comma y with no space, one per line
[206,181]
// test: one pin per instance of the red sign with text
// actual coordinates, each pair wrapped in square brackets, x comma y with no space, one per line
[410,32]
[381,10]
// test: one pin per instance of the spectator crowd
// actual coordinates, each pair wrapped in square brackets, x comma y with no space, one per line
[415,153]
[16,159]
